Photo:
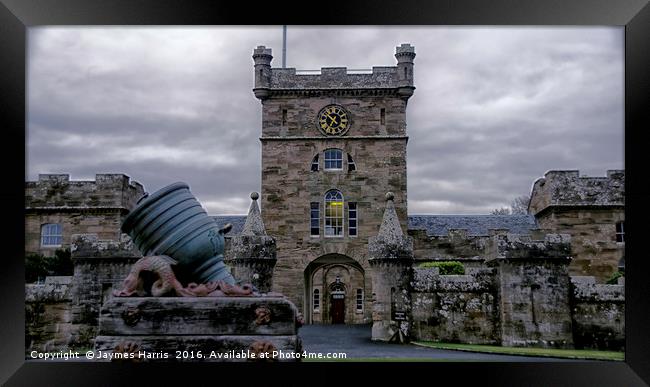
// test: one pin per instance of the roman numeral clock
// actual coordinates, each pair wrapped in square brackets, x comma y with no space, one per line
[333,120]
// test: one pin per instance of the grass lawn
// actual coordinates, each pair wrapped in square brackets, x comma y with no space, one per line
[385,359]
[525,351]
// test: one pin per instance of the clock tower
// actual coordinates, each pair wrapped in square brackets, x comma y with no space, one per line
[333,144]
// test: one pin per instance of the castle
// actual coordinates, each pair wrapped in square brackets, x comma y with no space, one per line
[334,235]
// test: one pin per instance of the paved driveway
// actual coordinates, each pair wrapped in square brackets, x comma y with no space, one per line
[354,340]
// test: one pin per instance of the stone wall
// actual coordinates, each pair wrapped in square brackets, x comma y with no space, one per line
[47,315]
[455,308]
[598,314]
[81,207]
[533,290]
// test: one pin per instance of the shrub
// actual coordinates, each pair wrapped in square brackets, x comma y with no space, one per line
[613,280]
[35,267]
[60,263]
[38,266]
[446,267]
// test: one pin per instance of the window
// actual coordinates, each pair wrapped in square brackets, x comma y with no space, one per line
[333,214]
[316,300]
[351,165]
[620,232]
[284,117]
[333,160]
[51,234]
[352,219]
[314,163]
[315,219]
[359,300]
[382,117]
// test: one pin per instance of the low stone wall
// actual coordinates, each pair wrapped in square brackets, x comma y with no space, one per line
[598,314]
[455,308]
[47,315]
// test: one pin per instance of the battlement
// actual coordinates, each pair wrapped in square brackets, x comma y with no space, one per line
[58,192]
[569,189]
[382,79]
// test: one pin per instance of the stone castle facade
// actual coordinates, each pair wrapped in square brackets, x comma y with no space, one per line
[335,237]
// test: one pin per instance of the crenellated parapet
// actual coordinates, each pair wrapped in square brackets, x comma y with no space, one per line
[568,189]
[56,192]
[381,80]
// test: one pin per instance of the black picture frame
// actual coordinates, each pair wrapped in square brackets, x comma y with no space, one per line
[18,15]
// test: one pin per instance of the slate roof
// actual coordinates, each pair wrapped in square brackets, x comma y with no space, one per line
[237,222]
[433,224]
[475,224]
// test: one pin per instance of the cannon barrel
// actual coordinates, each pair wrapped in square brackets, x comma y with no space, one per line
[172,222]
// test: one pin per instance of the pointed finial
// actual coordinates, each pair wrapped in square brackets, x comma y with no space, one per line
[254,224]
[390,229]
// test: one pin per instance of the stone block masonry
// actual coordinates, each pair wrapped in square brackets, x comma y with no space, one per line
[80,207]
[598,312]
[533,290]
[47,315]
[455,308]
[99,267]
[589,209]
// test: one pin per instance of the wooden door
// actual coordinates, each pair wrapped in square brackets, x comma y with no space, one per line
[338,310]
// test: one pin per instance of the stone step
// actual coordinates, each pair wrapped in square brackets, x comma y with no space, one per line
[165,316]
[198,348]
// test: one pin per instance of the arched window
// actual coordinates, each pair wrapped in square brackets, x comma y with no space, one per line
[333,160]
[51,234]
[334,214]
[316,299]
[314,163]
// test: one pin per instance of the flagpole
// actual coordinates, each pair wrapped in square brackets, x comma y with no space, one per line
[284,46]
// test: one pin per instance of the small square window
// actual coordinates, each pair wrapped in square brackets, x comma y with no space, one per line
[333,160]
[51,234]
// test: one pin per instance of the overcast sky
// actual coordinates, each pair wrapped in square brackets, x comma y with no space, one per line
[493,109]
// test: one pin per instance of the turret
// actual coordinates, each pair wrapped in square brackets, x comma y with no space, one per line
[405,54]
[262,57]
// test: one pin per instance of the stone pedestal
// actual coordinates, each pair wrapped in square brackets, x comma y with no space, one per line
[195,329]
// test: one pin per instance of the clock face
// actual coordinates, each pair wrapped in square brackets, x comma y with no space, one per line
[333,120]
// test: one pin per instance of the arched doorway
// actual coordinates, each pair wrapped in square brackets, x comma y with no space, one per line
[335,286]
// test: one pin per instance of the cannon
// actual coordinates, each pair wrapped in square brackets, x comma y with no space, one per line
[171,222]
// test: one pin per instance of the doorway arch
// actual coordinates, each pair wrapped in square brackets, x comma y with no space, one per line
[332,281]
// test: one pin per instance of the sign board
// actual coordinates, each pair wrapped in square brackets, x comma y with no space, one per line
[399,315]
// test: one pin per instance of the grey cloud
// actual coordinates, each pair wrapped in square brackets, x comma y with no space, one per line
[493,110]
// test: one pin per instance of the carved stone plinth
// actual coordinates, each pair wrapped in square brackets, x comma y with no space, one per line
[221,328]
